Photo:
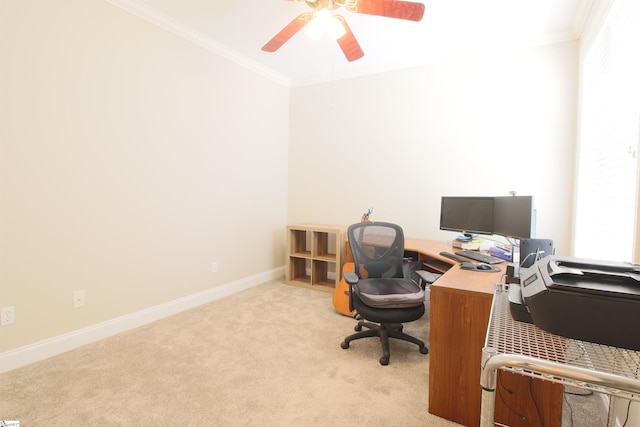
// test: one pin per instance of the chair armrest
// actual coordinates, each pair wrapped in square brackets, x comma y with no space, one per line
[350,277]
[427,276]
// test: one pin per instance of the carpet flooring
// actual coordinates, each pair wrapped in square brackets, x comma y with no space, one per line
[266,356]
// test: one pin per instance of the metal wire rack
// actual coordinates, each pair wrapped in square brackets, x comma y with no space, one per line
[508,336]
[528,350]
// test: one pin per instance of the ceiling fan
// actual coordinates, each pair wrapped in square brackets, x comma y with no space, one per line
[324,10]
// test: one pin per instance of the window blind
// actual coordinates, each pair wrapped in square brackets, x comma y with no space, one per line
[607,180]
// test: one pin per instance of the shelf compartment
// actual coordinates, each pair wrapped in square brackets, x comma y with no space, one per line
[300,242]
[435,265]
[323,274]
[300,270]
[324,246]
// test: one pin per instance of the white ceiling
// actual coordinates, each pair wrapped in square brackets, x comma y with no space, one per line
[450,29]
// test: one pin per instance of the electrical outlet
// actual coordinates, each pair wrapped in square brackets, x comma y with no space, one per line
[7,316]
[78,299]
[214,267]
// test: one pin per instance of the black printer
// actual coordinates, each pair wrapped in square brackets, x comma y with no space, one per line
[588,300]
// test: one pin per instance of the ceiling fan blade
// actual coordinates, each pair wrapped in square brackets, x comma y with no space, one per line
[390,8]
[287,32]
[348,43]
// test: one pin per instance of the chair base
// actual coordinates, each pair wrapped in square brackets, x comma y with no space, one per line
[384,331]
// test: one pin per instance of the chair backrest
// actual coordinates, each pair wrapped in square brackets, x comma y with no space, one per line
[377,248]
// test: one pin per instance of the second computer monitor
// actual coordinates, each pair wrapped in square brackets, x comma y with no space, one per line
[514,216]
[509,216]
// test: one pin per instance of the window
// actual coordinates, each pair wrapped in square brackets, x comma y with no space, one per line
[609,137]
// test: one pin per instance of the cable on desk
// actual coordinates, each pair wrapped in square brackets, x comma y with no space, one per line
[571,393]
[576,358]
[628,412]
[564,396]
[503,387]
[626,419]
[566,400]
[535,401]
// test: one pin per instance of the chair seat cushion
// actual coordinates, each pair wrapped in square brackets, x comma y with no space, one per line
[387,315]
[389,293]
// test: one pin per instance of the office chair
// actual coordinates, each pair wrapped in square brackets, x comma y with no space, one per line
[378,292]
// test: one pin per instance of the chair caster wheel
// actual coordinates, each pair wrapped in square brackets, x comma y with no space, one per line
[384,361]
[344,345]
[424,350]
[357,328]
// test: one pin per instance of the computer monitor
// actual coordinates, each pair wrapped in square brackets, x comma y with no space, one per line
[514,216]
[468,215]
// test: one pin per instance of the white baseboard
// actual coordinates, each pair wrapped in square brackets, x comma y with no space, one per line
[50,347]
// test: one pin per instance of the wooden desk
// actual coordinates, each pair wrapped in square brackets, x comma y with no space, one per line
[460,305]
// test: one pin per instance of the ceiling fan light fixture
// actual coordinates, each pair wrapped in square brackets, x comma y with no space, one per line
[325,22]
[322,19]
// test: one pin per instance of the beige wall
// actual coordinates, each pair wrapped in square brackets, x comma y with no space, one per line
[131,159]
[399,141]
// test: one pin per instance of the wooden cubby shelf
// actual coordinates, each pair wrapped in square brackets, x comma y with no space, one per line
[314,255]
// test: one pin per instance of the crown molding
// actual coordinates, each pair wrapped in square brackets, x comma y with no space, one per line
[198,39]
[581,16]
[188,33]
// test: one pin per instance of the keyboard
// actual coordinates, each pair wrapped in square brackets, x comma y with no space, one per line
[477,256]
[454,257]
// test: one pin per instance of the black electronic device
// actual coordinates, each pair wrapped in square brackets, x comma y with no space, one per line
[454,257]
[588,300]
[514,216]
[469,215]
[509,216]
[480,257]
[517,307]
[531,250]
[513,273]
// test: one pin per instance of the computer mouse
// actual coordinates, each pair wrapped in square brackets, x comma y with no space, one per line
[483,266]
